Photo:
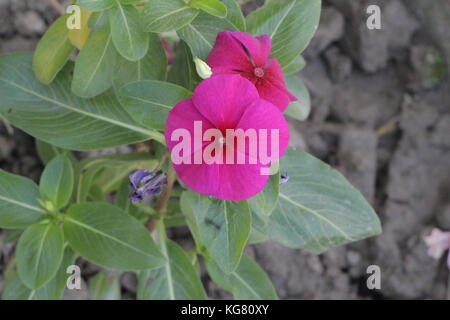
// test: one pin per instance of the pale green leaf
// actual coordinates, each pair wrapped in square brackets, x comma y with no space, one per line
[104,286]
[53,114]
[96,5]
[39,254]
[183,72]
[107,236]
[318,208]
[235,15]
[56,182]
[167,15]
[290,23]
[201,33]
[295,65]
[150,101]
[301,108]
[152,66]
[19,206]
[52,51]
[223,226]
[247,282]
[266,201]
[213,7]
[127,34]
[94,67]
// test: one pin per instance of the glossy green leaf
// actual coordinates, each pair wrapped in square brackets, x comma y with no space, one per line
[266,201]
[96,5]
[127,34]
[19,206]
[107,236]
[98,20]
[301,108]
[52,51]
[213,7]
[53,114]
[78,37]
[247,282]
[167,15]
[56,182]
[235,15]
[94,67]
[47,151]
[201,33]
[104,286]
[318,208]
[183,72]
[153,66]
[54,289]
[39,253]
[150,101]
[290,23]
[178,279]
[295,65]
[223,226]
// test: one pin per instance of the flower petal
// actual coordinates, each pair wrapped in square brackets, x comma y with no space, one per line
[223,99]
[228,54]
[258,48]
[264,115]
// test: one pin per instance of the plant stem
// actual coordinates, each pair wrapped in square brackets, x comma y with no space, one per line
[163,201]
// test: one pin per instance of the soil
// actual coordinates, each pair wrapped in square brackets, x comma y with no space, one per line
[381,115]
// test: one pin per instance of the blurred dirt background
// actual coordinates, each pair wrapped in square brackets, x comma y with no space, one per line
[380,114]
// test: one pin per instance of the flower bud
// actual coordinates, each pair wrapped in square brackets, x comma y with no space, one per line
[203,70]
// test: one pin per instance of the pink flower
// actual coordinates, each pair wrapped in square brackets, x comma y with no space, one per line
[438,242]
[243,54]
[213,136]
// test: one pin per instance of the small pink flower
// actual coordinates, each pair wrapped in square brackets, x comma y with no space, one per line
[243,54]
[438,242]
[220,105]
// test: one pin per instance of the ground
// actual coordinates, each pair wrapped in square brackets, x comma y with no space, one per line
[381,115]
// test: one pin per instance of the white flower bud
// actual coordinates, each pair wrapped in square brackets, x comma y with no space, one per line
[203,70]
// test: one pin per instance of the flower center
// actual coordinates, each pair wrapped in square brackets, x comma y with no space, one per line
[259,72]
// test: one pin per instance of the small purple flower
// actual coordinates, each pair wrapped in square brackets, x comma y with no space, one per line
[284,178]
[145,183]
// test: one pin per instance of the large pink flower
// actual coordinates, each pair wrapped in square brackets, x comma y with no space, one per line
[241,53]
[200,126]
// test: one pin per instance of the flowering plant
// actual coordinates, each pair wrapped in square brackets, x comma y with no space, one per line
[203,93]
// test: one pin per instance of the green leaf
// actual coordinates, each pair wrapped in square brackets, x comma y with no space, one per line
[167,15]
[56,182]
[201,33]
[153,66]
[104,286]
[19,206]
[235,15]
[213,7]
[247,282]
[178,279]
[53,114]
[94,67]
[39,254]
[107,236]
[318,208]
[223,226]
[295,65]
[13,288]
[47,151]
[78,37]
[107,172]
[96,5]
[54,289]
[290,23]
[127,34]
[183,72]
[150,101]
[266,201]
[52,51]
[301,108]
[98,20]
